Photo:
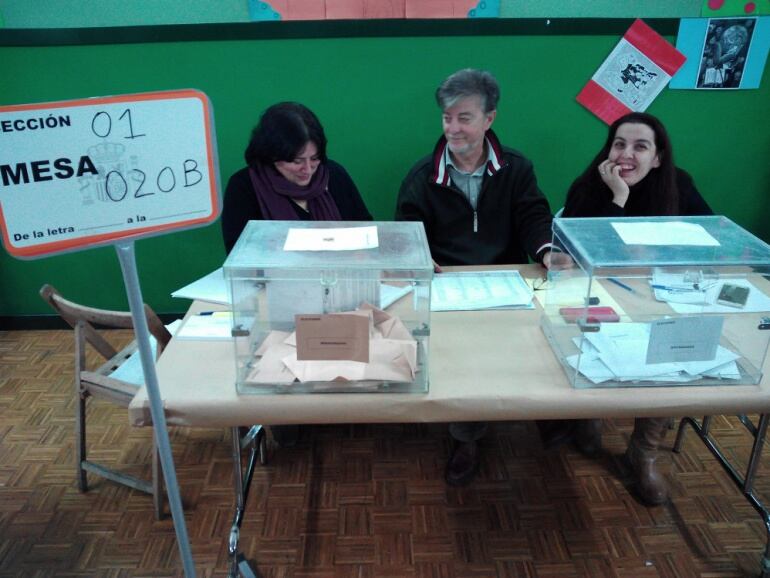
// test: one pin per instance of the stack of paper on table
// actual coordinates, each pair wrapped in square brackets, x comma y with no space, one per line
[684,298]
[468,291]
[619,352]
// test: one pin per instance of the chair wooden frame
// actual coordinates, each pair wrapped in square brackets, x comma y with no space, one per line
[99,384]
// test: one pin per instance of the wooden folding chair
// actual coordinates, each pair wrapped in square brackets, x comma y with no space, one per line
[99,384]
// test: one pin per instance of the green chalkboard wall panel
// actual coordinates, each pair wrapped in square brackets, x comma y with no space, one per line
[375,98]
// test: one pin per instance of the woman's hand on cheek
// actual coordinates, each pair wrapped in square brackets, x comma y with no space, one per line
[610,174]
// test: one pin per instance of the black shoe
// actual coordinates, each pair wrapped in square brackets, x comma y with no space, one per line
[555,432]
[285,436]
[588,436]
[463,464]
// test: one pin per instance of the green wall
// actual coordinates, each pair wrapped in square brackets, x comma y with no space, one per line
[375,98]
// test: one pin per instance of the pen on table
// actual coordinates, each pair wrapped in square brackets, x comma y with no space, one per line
[674,289]
[620,284]
[217,313]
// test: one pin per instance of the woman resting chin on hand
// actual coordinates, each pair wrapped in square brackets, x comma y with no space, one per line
[633,175]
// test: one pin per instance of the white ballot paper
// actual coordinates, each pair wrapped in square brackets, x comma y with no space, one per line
[389,294]
[467,291]
[669,233]
[684,338]
[619,352]
[211,288]
[337,239]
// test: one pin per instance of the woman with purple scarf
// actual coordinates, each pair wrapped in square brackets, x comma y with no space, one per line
[288,176]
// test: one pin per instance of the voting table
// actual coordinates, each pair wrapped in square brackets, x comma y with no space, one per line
[485,365]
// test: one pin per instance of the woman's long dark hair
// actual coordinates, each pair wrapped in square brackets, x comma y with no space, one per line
[283,130]
[657,193]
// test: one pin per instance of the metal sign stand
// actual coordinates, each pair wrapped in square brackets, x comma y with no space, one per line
[127,260]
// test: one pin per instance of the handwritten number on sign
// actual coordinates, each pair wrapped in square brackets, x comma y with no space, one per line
[127,113]
[101,124]
[171,180]
[114,192]
[138,192]
[117,188]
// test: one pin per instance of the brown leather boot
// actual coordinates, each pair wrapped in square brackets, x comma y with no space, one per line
[642,454]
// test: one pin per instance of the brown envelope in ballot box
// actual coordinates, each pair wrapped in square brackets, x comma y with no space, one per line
[334,336]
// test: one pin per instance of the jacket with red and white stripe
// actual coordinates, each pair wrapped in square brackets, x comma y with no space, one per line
[512,219]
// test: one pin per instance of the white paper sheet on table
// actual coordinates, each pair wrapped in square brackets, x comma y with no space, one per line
[336,239]
[211,288]
[468,291]
[566,291]
[214,325]
[669,233]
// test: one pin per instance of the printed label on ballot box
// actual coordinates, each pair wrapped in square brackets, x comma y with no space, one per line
[92,171]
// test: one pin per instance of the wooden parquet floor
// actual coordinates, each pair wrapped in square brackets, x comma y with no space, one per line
[356,501]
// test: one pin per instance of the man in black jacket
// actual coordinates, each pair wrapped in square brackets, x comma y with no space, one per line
[480,205]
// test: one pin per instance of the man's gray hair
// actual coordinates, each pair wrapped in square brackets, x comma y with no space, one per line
[469,82]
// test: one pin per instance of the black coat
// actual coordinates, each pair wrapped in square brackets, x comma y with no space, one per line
[512,219]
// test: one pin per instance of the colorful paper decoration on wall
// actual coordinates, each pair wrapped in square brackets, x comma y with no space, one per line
[369,9]
[723,8]
[633,74]
[722,53]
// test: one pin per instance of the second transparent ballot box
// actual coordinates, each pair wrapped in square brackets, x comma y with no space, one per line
[657,301]
[330,307]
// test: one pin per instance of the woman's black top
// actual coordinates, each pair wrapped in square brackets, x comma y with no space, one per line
[241,205]
[586,200]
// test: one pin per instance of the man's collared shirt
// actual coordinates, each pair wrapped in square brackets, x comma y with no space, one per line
[469,183]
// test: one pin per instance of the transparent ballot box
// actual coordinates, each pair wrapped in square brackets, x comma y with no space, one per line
[330,307]
[657,301]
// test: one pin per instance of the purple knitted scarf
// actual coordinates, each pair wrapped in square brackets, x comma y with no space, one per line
[275,194]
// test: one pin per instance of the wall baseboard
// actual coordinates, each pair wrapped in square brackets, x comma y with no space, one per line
[301,29]
[35,322]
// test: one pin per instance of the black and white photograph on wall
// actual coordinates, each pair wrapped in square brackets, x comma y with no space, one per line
[725,50]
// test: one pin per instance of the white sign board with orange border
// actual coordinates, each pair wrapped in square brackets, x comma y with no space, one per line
[80,173]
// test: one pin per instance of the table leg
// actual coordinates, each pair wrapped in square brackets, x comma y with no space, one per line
[745,484]
[254,440]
